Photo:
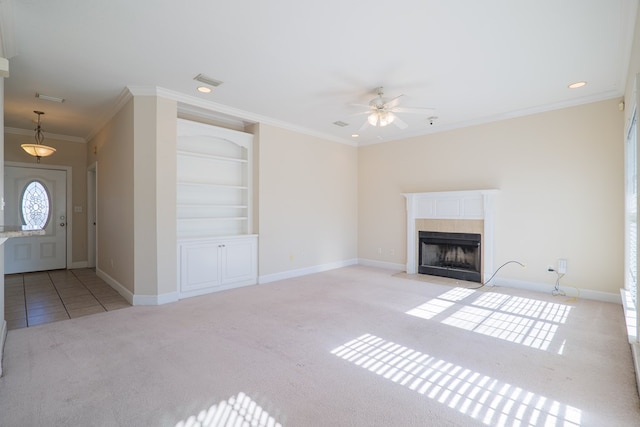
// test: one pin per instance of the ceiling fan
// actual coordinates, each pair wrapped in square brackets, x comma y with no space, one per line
[383,112]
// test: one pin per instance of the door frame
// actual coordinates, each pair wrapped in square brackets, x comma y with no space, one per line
[92,214]
[69,207]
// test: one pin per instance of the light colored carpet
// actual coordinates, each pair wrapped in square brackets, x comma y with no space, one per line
[349,347]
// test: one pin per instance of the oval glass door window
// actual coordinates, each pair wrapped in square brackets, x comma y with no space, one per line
[36,204]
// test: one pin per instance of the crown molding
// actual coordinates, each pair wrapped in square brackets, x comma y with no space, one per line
[7,33]
[58,137]
[124,96]
[188,103]
[603,96]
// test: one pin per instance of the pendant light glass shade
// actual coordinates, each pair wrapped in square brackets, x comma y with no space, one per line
[38,149]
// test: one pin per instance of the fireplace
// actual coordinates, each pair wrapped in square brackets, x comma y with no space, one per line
[454,255]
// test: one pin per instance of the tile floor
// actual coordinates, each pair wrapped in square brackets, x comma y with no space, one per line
[47,296]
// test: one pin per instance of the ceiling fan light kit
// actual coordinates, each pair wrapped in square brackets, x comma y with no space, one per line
[382,112]
[381,118]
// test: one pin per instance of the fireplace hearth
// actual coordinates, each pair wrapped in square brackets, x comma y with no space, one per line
[454,255]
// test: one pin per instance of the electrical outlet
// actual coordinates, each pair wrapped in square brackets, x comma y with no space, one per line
[562,266]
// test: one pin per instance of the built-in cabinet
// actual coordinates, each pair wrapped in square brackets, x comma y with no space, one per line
[216,247]
[209,265]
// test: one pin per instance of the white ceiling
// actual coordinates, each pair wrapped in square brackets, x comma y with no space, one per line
[303,64]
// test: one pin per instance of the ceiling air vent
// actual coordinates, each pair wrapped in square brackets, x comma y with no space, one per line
[207,80]
[49,98]
[341,124]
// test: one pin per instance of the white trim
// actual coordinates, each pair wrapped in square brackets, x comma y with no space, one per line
[546,288]
[26,132]
[381,264]
[122,99]
[612,94]
[3,338]
[468,204]
[635,354]
[117,286]
[137,299]
[230,111]
[155,299]
[7,30]
[630,315]
[290,274]
[69,197]
[92,215]
[209,290]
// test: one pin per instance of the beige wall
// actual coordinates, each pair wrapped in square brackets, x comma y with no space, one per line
[308,201]
[560,176]
[113,154]
[136,197]
[67,153]
[155,195]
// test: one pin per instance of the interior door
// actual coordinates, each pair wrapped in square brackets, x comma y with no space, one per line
[36,196]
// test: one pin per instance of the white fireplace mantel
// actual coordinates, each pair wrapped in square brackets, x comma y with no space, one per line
[472,204]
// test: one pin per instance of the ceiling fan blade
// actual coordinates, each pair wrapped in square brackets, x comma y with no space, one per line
[414,110]
[364,126]
[392,103]
[396,121]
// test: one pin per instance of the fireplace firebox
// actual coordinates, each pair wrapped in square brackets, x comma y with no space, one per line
[454,255]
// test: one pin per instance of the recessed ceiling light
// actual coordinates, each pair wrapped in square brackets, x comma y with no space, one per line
[204,89]
[354,135]
[577,85]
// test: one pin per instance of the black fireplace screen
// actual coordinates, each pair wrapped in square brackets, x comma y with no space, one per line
[455,255]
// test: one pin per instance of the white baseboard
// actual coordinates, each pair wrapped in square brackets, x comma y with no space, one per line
[547,288]
[305,271]
[512,283]
[126,293]
[137,299]
[382,264]
[155,299]
[134,299]
[635,353]
[3,338]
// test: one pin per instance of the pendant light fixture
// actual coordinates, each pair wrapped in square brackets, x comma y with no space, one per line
[38,149]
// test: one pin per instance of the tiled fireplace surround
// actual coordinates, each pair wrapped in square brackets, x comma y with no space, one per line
[451,211]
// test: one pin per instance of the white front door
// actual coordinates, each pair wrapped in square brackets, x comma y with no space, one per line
[36,196]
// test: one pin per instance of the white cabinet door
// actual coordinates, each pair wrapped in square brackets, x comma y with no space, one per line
[199,268]
[210,265]
[238,260]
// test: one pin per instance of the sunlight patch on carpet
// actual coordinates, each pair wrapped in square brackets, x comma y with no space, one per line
[237,411]
[529,322]
[478,396]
